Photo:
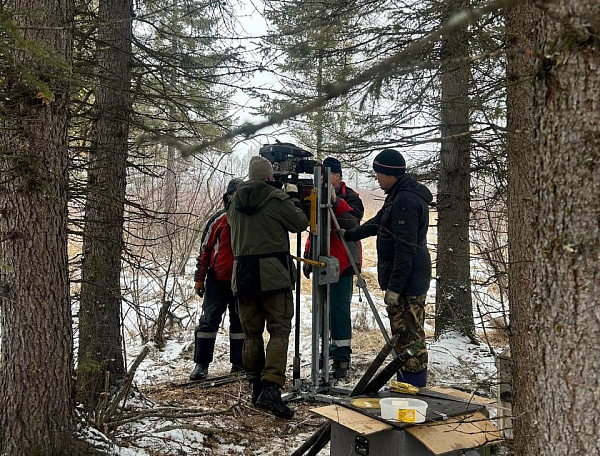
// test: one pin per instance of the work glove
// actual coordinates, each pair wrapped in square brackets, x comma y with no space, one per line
[199,288]
[391,298]
[290,188]
[332,196]
[341,233]
[306,269]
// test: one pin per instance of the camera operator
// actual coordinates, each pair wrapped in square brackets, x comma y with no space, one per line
[261,217]
[213,282]
[349,210]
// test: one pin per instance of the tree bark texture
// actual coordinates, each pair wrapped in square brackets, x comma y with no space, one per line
[36,371]
[520,24]
[453,292]
[100,312]
[565,358]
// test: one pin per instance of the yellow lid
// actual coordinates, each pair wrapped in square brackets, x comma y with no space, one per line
[366,402]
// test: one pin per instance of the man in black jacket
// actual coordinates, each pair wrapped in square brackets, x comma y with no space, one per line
[404,264]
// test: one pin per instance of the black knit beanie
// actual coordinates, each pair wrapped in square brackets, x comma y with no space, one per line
[333,164]
[389,162]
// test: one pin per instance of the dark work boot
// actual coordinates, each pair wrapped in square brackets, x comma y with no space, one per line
[257,388]
[340,369]
[270,399]
[199,372]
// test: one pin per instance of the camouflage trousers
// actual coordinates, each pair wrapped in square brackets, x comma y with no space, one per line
[407,319]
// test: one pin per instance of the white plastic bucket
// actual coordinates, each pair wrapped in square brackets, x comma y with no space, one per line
[403,409]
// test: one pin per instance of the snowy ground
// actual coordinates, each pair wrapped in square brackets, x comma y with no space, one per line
[232,425]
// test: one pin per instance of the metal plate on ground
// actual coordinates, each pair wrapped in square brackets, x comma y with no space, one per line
[436,410]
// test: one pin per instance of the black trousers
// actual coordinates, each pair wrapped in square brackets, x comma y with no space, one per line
[217,299]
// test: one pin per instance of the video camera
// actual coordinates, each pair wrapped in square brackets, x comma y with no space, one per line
[288,161]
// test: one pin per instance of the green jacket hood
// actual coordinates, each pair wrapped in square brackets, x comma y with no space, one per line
[252,195]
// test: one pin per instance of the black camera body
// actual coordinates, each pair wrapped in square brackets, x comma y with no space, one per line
[288,160]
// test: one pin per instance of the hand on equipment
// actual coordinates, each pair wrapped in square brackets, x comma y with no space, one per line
[341,233]
[332,196]
[199,288]
[391,298]
[306,269]
[290,188]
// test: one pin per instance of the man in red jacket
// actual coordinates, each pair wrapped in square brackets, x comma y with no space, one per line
[349,210]
[213,281]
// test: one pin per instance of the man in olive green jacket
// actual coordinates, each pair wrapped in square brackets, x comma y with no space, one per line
[261,217]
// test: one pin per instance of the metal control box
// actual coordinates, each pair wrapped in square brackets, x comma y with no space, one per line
[331,272]
[394,442]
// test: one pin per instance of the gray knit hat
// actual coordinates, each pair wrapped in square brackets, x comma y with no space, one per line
[260,168]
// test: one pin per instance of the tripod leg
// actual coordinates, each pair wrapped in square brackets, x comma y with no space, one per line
[382,377]
[378,361]
[322,435]
[312,440]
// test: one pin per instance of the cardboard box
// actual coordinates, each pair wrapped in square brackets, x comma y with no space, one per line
[356,433]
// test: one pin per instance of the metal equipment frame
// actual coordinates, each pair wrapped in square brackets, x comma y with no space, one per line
[320,386]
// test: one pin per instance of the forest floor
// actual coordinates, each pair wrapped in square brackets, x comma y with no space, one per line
[230,424]
[222,421]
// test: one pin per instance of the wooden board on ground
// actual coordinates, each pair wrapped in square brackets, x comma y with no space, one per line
[461,395]
[457,433]
[352,420]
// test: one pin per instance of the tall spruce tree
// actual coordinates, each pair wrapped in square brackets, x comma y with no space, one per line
[36,369]
[100,348]
[520,23]
[314,42]
[562,322]
[453,291]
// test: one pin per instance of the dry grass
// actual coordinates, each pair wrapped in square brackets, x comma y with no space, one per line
[369,341]
[496,332]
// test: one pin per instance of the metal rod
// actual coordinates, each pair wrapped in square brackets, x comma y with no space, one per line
[314,246]
[296,364]
[362,284]
[308,261]
[325,249]
[384,375]
[315,442]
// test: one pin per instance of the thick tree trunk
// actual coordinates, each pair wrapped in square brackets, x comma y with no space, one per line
[99,316]
[565,327]
[36,371]
[453,292]
[520,23]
